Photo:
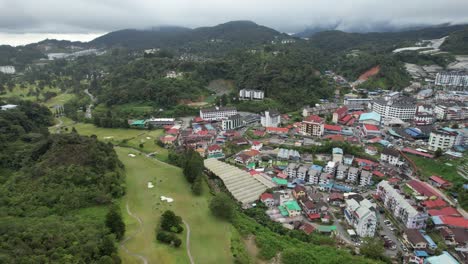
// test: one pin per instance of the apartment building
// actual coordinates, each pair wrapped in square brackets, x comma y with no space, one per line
[217,113]
[400,207]
[330,168]
[391,156]
[246,94]
[302,172]
[314,174]
[312,126]
[353,174]
[451,111]
[341,172]
[357,103]
[232,122]
[403,108]
[444,138]
[456,81]
[291,170]
[270,118]
[322,109]
[365,178]
[361,215]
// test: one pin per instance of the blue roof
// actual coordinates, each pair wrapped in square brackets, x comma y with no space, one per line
[421,253]
[437,220]
[316,167]
[384,142]
[413,132]
[342,187]
[209,127]
[371,115]
[430,241]
[445,258]
[337,151]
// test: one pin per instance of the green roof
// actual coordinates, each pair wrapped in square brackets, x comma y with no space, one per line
[280,181]
[283,210]
[216,155]
[251,165]
[292,206]
[138,123]
[327,229]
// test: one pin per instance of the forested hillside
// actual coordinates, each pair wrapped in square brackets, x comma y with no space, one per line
[457,42]
[45,181]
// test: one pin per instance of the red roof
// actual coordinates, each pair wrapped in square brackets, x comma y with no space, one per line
[277,129]
[438,180]
[336,196]
[198,119]
[266,196]
[167,138]
[393,180]
[447,211]
[214,148]
[252,152]
[335,137]
[313,216]
[345,119]
[454,221]
[374,140]
[422,188]
[307,228]
[202,132]
[371,127]
[415,152]
[254,172]
[172,131]
[351,122]
[439,203]
[256,143]
[313,118]
[281,175]
[259,133]
[332,128]
[366,162]
[342,110]
[378,174]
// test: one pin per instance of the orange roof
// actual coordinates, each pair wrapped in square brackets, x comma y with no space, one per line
[313,118]
[252,152]
[434,204]
[332,127]
[454,221]
[265,196]
[371,127]
[278,129]
[447,211]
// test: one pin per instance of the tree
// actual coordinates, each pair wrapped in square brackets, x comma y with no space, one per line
[438,153]
[197,186]
[115,223]
[373,248]
[222,206]
[171,222]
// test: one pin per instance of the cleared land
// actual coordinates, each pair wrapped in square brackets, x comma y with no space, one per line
[445,167]
[209,237]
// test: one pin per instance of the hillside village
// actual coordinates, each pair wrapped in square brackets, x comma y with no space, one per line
[344,168]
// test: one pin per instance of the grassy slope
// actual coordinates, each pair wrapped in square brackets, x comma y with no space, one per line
[431,167]
[210,238]
[116,135]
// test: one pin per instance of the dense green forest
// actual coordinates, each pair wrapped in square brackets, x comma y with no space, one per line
[457,42]
[45,181]
[18,57]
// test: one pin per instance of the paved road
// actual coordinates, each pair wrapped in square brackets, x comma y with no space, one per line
[88,113]
[187,242]
[122,244]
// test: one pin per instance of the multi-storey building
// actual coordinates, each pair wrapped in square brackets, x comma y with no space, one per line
[400,207]
[450,111]
[291,170]
[403,108]
[361,215]
[365,178]
[444,138]
[270,118]
[322,109]
[391,156]
[325,178]
[246,94]
[312,126]
[217,113]
[339,113]
[7,69]
[357,103]
[159,122]
[330,168]
[314,174]
[302,172]
[452,80]
[353,174]
[232,122]
[341,172]
[337,155]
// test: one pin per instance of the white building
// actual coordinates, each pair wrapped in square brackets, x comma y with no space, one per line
[302,172]
[452,80]
[8,106]
[353,174]
[8,69]
[362,216]
[337,155]
[450,111]
[330,168]
[314,175]
[342,172]
[270,118]
[158,122]
[391,156]
[403,108]
[325,178]
[400,207]
[444,139]
[312,126]
[246,94]
[357,103]
[365,178]
[217,113]
[291,170]
[232,122]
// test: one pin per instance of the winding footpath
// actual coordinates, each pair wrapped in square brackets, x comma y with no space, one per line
[122,244]
[187,242]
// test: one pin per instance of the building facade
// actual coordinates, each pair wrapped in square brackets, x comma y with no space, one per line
[403,108]
[232,122]
[443,139]
[312,126]
[270,118]
[217,113]
[361,215]
[452,80]
[400,207]
[246,94]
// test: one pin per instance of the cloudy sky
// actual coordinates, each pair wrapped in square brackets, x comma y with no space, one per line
[84,19]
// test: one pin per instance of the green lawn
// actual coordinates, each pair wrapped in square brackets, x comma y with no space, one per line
[134,137]
[429,167]
[60,99]
[22,93]
[210,238]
